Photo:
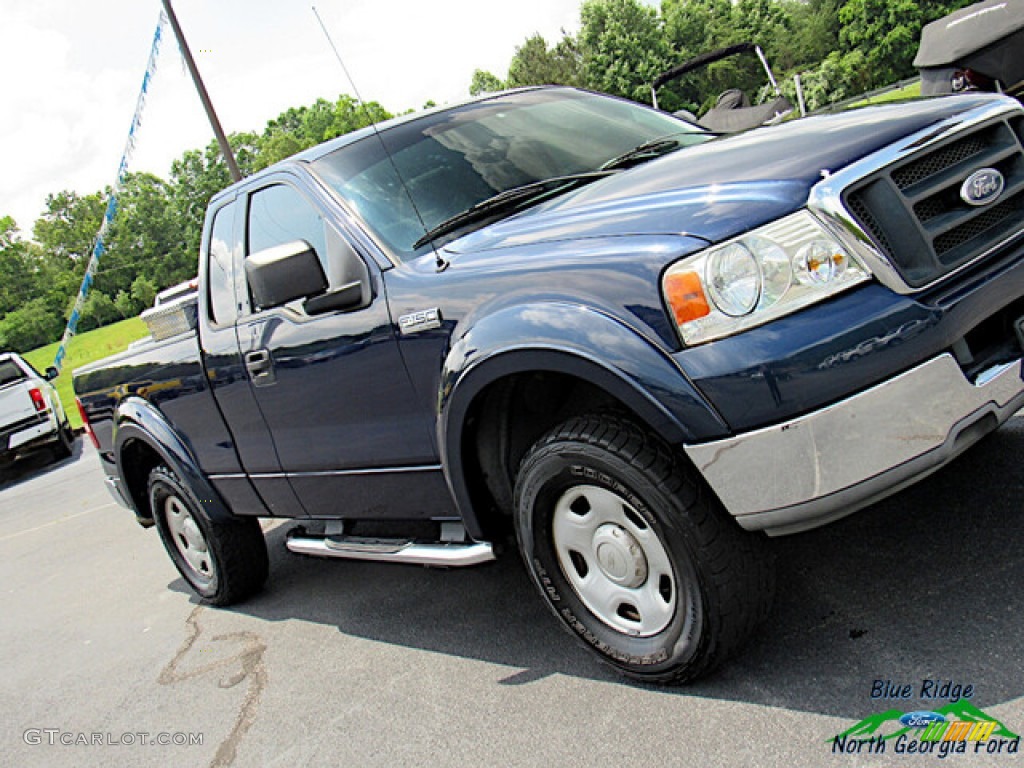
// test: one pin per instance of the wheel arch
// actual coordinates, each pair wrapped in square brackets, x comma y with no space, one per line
[144,439]
[583,360]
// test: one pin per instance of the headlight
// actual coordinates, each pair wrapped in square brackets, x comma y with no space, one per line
[750,280]
[733,279]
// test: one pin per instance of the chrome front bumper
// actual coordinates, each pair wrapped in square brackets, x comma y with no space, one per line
[822,466]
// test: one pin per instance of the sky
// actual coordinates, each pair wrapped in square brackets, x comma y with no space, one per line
[73,70]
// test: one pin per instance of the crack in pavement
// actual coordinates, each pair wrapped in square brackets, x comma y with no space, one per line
[250,658]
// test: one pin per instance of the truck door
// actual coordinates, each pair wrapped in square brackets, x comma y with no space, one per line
[332,388]
[221,302]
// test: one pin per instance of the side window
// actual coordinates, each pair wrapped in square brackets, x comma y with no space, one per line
[220,284]
[279,214]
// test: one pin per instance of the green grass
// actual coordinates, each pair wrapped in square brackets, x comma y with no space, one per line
[911,91]
[82,350]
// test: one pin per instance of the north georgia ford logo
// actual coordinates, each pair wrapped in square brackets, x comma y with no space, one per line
[982,187]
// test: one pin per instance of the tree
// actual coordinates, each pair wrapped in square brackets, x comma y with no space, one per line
[299,128]
[67,229]
[769,24]
[351,115]
[99,310]
[693,27]
[8,232]
[887,33]
[485,82]
[622,47]
[815,30]
[125,305]
[324,120]
[66,234]
[143,292]
[30,326]
[200,174]
[148,237]
[536,64]
[277,147]
[21,270]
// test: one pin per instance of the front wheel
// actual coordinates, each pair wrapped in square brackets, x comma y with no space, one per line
[634,557]
[223,561]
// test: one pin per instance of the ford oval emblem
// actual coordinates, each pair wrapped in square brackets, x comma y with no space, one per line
[921,719]
[982,187]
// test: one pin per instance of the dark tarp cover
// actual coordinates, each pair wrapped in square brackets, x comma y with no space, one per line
[987,37]
[725,119]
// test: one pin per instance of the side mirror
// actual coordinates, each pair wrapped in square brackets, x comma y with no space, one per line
[51,373]
[285,273]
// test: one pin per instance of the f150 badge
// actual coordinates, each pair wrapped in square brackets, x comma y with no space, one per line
[982,187]
[424,320]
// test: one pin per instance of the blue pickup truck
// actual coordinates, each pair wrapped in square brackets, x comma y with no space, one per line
[638,348]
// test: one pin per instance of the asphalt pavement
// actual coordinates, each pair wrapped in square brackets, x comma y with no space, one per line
[108,660]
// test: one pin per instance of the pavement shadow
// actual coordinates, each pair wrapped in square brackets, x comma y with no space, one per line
[39,462]
[925,585]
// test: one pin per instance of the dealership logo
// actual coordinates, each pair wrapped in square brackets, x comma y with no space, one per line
[982,187]
[956,728]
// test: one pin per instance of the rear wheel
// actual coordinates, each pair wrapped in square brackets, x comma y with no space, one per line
[65,442]
[634,557]
[223,561]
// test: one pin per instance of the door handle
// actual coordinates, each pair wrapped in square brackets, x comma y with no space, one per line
[260,365]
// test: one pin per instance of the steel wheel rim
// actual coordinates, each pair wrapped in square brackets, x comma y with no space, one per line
[189,540]
[614,561]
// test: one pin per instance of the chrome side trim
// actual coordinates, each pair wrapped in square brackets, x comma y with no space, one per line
[386,551]
[825,198]
[826,464]
[326,473]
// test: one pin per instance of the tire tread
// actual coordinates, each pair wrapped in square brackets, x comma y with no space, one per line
[739,573]
[238,545]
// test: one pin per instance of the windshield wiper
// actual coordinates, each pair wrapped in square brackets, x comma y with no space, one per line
[652,149]
[508,199]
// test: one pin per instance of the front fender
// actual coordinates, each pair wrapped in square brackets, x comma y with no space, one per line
[136,419]
[578,341]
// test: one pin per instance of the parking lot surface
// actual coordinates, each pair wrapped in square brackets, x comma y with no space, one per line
[108,659]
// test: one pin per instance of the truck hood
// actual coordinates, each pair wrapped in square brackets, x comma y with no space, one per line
[723,188]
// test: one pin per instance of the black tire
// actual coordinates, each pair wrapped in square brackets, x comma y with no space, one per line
[223,561]
[64,446]
[699,586]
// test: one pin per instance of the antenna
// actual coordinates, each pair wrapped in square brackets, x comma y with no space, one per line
[438,259]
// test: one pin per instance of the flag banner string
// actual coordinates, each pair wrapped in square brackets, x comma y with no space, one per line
[99,247]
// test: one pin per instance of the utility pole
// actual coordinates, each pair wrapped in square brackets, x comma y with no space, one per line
[222,140]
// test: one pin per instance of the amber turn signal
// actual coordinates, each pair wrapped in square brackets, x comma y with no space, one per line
[685,296]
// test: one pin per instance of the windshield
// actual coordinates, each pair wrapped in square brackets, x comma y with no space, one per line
[452,160]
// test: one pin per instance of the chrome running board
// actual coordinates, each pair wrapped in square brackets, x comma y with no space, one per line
[452,555]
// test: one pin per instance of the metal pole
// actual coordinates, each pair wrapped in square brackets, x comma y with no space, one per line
[222,140]
[800,95]
[764,63]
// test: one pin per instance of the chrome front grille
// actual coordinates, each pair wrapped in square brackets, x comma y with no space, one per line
[913,212]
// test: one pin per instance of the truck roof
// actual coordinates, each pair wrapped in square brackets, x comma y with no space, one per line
[315,153]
